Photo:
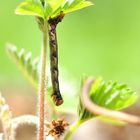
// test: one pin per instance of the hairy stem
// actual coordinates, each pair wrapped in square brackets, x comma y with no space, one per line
[72,129]
[42,82]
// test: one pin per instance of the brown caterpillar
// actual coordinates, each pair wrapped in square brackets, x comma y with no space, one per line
[56,96]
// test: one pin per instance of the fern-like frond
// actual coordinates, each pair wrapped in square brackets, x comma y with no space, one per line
[24,61]
[110,95]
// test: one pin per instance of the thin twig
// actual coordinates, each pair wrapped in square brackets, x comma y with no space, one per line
[95,109]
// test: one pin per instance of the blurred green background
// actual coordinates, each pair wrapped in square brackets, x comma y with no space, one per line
[99,40]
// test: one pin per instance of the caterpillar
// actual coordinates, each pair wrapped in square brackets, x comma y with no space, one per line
[52,23]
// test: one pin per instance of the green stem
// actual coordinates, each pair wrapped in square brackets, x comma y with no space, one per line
[72,129]
[42,81]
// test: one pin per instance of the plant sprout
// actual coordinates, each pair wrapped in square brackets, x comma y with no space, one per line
[44,11]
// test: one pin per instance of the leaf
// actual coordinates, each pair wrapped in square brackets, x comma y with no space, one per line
[54,4]
[30,8]
[51,8]
[26,64]
[77,6]
[72,5]
[110,95]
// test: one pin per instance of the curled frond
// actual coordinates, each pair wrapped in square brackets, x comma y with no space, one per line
[104,95]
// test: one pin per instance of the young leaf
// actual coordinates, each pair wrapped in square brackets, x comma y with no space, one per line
[76,5]
[111,95]
[50,8]
[54,4]
[30,8]
[25,63]
[72,5]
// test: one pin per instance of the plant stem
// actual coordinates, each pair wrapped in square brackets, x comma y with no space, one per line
[42,81]
[72,129]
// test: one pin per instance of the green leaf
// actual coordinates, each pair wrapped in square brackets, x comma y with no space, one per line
[110,95]
[72,5]
[51,8]
[54,4]
[30,8]
[77,6]
[25,63]
[54,7]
